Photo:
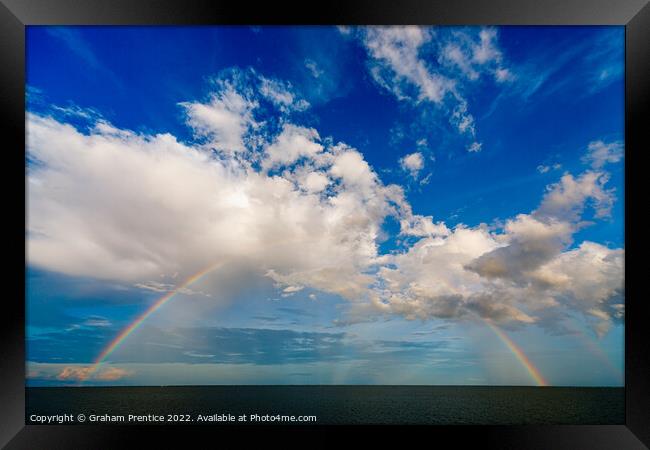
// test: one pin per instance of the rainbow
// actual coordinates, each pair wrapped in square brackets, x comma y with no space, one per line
[519,354]
[119,339]
[596,350]
[115,343]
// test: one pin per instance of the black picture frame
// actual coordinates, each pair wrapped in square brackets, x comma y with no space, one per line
[16,14]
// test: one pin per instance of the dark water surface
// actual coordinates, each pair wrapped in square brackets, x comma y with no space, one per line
[443,405]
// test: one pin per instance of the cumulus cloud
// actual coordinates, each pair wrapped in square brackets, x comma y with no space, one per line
[590,278]
[307,213]
[567,198]
[315,182]
[118,205]
[537,238]
[412,163]
[293,143]
[600,153]
[422,226]
[132,207]
[511,276]
[354,172]
[225,120]
[524,273]
[507,277]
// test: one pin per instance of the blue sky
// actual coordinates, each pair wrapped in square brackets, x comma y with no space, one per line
[374,198]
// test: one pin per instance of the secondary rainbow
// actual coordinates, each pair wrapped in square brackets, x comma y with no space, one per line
[592,345]
[519,354]
[115,343]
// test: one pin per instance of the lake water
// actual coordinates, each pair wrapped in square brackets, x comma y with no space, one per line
[442,405]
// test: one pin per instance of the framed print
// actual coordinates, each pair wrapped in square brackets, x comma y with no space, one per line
[375,216]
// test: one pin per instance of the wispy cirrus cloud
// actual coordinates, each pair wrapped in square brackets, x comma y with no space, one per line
[282,95]
[421,64]
[584,67]
[75,42]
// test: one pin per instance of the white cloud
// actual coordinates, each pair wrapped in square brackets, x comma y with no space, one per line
[293,143]
[591,279]
[453,54]
[160,287]
[344,29]
[462,119]
[402,63]
[486,50]
[315,182]
[155,286]
[422,226]
[118,205]
[313,68]
[429,279]
[475,147]
[281,94]
[527,273]
[412,163]
[544,168]
[353,170]
[474,55]
[566,199]
[535,239]
[292,289]
[396,49]
[502,75]
[225,120]
[517,276]
[600,153]
[77,111]
[97,321]
[113,204]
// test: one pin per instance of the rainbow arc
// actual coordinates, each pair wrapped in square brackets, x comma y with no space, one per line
[519,354]
[126,332]
[138,321]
